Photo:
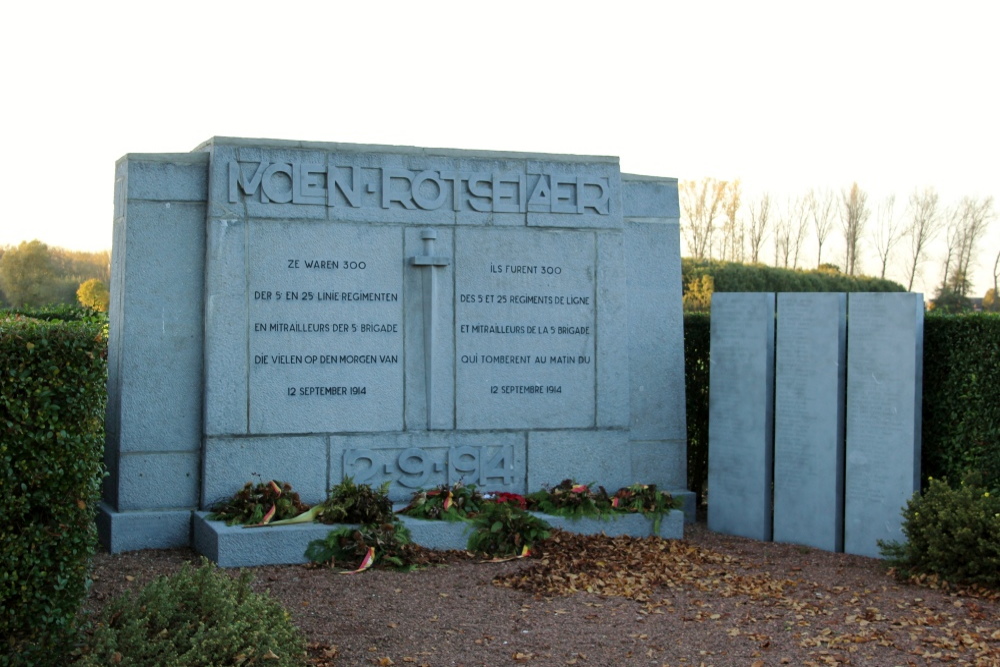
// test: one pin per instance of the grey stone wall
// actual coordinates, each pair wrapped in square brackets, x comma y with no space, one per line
[304,311]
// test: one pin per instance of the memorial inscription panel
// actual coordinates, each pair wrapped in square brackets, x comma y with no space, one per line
[809,420]
[325,328]
[741,414]
[884,371]
[525,329]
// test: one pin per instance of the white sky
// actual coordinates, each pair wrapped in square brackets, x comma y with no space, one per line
[784,95]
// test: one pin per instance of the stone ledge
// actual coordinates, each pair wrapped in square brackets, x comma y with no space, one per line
[235,546]
[132,531]
[635,525]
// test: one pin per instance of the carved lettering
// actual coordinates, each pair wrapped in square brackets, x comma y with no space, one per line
[311,184]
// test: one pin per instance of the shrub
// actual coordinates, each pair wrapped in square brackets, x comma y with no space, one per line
[197,617]
[94,294]
[51,448]
[951,533]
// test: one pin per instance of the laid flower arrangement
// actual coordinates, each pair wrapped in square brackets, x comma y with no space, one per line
[647,500]
[274,503]
[574,500]
[259,504]
[571,500]
[446,502]
[380,538]
[501,524]
[348,502]
[368,545]
[503,528]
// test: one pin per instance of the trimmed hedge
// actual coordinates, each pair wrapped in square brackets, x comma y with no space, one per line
[697,341]
[737,277]
[961,406]
[58,313]
[51,450]
[961,413]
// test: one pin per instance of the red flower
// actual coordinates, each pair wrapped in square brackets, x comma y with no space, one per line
[512,498]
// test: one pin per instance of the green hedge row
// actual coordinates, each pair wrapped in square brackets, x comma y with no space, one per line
[697,341]
[961,414]
[736,277]
[51,452]
[58,313]
[961,406]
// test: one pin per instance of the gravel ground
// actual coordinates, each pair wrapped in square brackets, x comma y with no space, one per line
[710,599]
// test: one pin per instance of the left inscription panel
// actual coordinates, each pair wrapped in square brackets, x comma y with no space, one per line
[325,328]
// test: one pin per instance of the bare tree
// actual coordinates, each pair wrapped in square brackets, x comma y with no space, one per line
[701,204]
[887,231]
[732,226]
[798,211]
[996,275]
[759,213]
[820,206]
[968,224]
[853,217]
[925,223]
[782,235]
[952,241]
[991,300]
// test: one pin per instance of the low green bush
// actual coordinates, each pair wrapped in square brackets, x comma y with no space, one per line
[197,617]
[953,533]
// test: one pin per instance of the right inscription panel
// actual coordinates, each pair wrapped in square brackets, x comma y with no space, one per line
[884,372]
[525,329]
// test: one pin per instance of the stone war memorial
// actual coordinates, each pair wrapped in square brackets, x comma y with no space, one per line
[308,311]
[814,417]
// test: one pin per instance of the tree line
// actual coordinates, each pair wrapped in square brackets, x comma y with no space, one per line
[718,224]
[35,274]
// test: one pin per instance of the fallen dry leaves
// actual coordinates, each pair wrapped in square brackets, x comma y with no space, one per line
[633,567]
[711,600]
[646,569]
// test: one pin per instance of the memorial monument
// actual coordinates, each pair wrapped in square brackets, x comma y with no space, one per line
[305,311]
[815,414]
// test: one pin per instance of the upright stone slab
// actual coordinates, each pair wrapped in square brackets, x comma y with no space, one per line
[884,385]
[741,416]
[155,352]
[304,311]
[810,369]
